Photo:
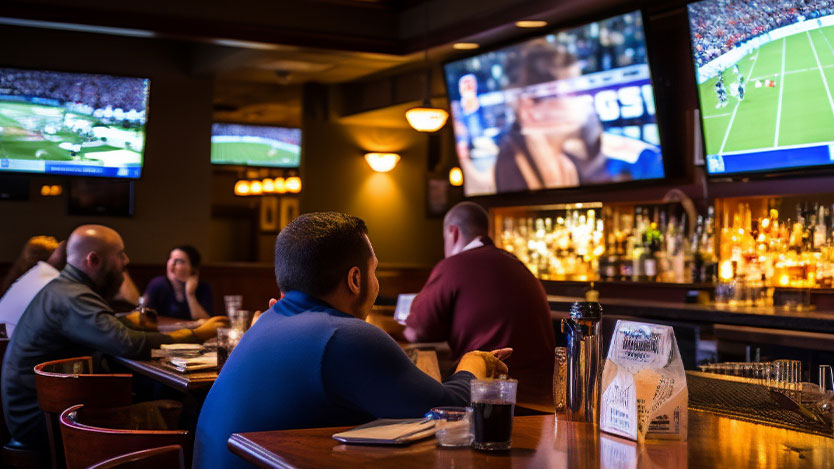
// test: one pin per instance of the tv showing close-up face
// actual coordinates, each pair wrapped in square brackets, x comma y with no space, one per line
[765,77]
[72,123]
[255,145]
[571,108]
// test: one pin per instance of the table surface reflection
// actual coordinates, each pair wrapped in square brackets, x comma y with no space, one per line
[548,441]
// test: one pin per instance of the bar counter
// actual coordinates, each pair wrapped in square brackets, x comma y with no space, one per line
[764,317]
[539,442]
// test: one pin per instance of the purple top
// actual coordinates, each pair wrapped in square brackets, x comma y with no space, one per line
[160,296]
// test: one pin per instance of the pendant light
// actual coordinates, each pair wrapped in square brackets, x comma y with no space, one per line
[426,118]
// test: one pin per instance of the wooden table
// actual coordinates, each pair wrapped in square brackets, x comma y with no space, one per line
[155,370]
[541,442]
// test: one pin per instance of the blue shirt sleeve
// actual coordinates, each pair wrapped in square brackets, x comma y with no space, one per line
[365,370]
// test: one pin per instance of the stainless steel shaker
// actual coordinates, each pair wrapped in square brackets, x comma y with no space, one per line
[584,352]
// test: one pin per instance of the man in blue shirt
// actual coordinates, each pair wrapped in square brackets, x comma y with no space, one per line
[311,360]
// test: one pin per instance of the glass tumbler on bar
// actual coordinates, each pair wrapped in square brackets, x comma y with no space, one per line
[493,404]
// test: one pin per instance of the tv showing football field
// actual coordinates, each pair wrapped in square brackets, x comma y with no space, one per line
[765,72]
[72,123]
[255,145]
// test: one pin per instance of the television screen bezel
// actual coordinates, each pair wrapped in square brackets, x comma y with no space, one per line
[150,80]
[794,171]
[258,124]
[552,29]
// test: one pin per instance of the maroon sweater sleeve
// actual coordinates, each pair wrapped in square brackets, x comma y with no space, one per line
[430,315]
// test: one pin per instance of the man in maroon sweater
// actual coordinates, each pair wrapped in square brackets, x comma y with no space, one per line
[481,297]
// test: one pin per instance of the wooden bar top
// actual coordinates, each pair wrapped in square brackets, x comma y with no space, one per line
[548,441]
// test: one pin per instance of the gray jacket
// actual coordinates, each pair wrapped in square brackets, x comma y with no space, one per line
[68,318]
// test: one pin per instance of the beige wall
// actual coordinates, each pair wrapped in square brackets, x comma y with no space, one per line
[336,177]
[171,199]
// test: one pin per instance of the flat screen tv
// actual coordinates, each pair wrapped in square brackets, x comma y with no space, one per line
[255,145]
[570,108]
[765,77]
[72,123]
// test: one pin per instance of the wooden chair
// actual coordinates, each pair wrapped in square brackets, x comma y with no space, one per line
[13,455]
[64,383]
[166,457]
[87,442]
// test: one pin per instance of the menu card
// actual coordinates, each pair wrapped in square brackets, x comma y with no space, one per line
[644,384]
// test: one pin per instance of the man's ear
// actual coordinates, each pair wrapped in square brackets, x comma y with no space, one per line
[354,280]
[454,233]
[93,260]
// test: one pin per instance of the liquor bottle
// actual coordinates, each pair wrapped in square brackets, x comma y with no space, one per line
[696,267]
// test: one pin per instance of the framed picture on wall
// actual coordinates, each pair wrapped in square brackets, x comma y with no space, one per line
[289,210]
[269,214]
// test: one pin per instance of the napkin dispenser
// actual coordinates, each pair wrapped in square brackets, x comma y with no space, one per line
[644,384]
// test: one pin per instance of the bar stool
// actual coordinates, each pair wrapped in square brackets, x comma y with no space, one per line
[87,441]
[70,381]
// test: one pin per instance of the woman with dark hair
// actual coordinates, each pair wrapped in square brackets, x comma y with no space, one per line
[180,293]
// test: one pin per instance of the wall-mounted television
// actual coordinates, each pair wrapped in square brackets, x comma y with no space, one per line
[764,75]
[255,145]
[72,123]
[569,108]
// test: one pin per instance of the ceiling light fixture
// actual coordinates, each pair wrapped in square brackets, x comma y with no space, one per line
[465,45]
[382,162]
[426,118]
[531,24]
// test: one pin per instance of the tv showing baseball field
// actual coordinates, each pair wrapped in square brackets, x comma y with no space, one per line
[72,123]
[255,145]
[765,72]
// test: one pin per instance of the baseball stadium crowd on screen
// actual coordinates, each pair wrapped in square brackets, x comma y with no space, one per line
[95,91]
[280,134]
[720,25]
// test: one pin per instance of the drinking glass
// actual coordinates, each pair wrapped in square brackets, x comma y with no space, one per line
[233,303]
[453,425]
[240,319]
[227,339]
[493,403]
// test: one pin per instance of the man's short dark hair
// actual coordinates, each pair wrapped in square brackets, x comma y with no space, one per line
[314,252]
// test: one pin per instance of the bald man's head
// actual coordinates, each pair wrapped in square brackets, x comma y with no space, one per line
[99,252]
[463,223]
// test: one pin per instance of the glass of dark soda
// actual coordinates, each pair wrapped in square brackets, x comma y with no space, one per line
[493,403]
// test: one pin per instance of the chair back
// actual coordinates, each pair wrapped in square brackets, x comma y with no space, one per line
[70,381]
[88,444]
[166,457]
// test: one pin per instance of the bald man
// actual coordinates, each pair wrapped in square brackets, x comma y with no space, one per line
[71,317]
[481,297]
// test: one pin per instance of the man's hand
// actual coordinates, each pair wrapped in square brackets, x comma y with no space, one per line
[191,284]
[484,365]
[257,314]
[209,328]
